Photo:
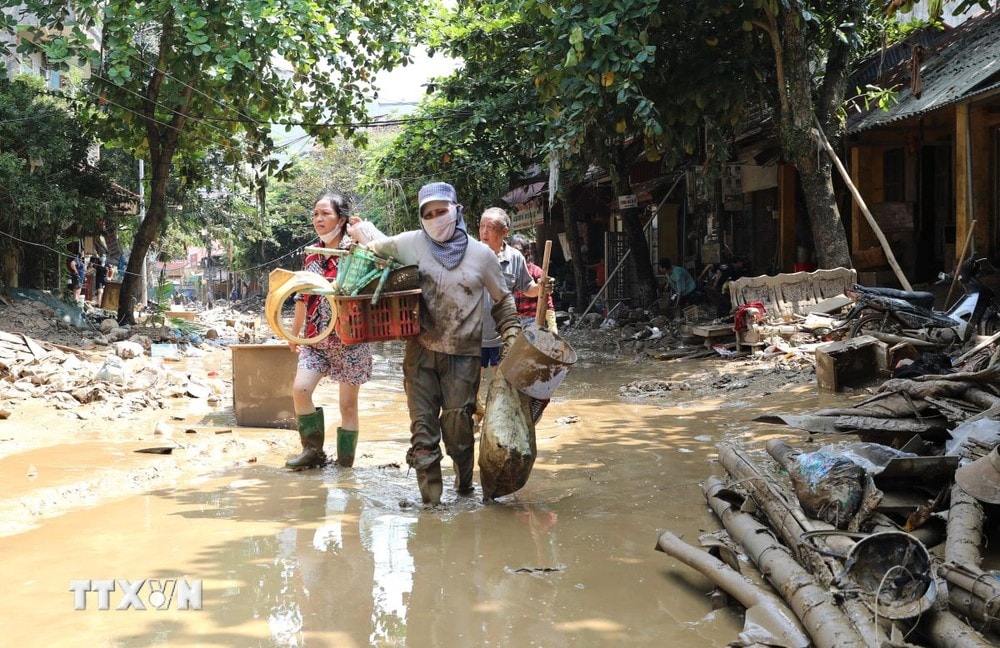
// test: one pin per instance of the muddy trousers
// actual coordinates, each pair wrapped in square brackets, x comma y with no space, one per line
[441,396]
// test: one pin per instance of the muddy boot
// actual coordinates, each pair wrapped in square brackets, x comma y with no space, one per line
[312,432]
[429,481]
[347,442]
[463,473]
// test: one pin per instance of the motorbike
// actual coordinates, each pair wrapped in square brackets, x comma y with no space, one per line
[908,316]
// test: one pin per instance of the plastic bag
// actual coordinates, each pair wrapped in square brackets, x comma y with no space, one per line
[507,442]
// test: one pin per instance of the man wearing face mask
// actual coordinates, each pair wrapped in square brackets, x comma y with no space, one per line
[441,365]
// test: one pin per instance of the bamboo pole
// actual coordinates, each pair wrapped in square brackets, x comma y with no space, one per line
[790,523]
[543,287]
[961,258]
[945,630]
[890,257]
[965,529]
[826,623]
[767,610]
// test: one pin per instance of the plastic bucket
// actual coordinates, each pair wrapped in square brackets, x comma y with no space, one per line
[537,362]
[895,570]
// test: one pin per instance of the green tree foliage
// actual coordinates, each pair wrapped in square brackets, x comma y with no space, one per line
[181,77]
[46,184]
[285,223]
[654,72]
[482,125]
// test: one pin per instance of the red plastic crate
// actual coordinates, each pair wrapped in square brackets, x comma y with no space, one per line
[395,316]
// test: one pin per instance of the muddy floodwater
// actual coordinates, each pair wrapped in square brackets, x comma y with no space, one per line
[331,558]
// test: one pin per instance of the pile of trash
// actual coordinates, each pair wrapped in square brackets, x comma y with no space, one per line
[636,330]
[875,536]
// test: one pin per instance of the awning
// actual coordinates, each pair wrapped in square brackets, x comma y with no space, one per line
[525,193]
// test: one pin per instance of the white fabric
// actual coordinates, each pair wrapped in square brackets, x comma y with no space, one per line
[443,227]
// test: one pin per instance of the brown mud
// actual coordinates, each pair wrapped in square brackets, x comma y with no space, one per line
[330,558]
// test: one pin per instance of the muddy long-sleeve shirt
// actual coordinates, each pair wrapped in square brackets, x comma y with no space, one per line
[451,309]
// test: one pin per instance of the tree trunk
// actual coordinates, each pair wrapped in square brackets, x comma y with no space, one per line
[144,237]
[797,121]
[577,261]
[829,236]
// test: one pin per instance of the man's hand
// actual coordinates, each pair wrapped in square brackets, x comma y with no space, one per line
[508,336]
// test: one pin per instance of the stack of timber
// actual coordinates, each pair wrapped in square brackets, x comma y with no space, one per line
[870,531]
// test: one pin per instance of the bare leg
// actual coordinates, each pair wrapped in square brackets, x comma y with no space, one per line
[348,406]
[303,388]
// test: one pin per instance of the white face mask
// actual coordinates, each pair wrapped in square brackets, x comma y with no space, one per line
[329,236]
[443,227]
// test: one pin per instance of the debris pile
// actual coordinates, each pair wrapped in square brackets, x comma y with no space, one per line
[123,381]
[102,369]
[874,537]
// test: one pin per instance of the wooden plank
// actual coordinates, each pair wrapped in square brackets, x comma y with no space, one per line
[711,330]
[831,305]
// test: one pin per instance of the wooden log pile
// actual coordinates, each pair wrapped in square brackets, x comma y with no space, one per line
[868,542]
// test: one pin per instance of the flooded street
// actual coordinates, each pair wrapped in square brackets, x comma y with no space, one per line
[331,558]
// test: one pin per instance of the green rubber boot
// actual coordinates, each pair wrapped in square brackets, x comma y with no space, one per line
[312,432]
[429,481]
[347,443]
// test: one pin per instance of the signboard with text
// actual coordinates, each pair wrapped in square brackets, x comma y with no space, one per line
[627,202]
[530,216]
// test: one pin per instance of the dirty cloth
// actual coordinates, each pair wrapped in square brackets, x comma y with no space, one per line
[745,312]
[441,397]
[451,311]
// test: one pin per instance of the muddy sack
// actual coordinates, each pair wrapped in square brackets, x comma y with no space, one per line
[507,441]
[828,487]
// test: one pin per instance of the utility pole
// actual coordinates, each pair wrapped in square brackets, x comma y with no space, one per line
[143,286]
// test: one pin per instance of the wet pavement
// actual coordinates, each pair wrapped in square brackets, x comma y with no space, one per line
[331,558]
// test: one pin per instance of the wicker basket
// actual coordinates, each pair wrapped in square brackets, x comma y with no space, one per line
[404,278]
[395,316]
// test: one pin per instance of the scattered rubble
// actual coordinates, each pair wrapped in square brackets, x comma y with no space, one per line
[112,369]
[874,540]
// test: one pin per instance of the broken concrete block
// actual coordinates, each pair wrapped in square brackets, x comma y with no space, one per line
[126,350]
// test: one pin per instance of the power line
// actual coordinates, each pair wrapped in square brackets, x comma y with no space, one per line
[247,118]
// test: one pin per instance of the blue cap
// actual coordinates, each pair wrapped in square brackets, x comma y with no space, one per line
[436,191]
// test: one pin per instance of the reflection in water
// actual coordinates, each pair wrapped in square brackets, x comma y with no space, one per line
[394,567]
[349,575]
[328,558]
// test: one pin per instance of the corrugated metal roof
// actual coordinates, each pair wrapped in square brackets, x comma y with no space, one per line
[967,64]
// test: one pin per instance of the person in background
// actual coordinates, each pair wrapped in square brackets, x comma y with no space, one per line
[678,281]
[717,278]
[494,225]
[348,364]
[77,273]
[527,306]
[101,273]
[441,365]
